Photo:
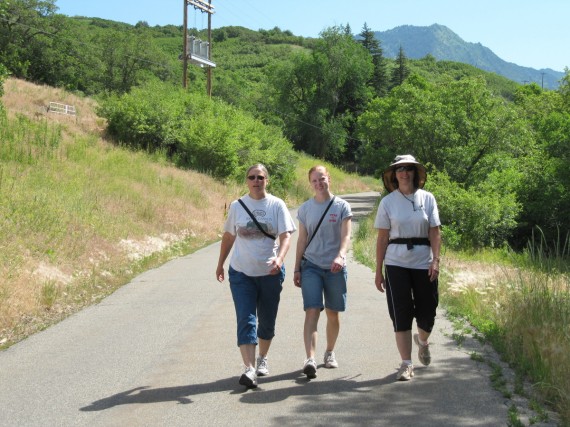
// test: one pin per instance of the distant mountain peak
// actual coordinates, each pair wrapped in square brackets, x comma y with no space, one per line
[444,44]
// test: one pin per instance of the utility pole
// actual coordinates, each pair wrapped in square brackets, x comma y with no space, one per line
[185,48]
[209,69]
[198,52]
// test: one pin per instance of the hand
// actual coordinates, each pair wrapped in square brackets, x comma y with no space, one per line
[275,265]
[297,279]
[379,281]
[337,264]
[433,270]
[220,274]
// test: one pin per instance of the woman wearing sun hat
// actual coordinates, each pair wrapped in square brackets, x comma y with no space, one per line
[407,257]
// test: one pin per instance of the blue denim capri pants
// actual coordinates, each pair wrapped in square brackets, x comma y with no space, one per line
[256,300]
[317,283]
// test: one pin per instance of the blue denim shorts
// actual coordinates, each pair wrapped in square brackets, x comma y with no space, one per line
[256,300]
[317,283]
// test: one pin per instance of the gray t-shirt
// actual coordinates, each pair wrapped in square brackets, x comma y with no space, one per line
[325,245]
[404,219]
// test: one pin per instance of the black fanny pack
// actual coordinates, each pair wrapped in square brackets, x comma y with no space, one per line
[411,241]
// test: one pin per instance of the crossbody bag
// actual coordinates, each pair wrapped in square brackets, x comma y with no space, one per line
[318,225]
[272,237]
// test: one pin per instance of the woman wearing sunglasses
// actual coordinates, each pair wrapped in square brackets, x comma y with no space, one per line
[320,266]
[408,247]
[258,227]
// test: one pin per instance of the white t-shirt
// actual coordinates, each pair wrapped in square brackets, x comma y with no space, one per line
[253,250]
[325,245]
[405,219]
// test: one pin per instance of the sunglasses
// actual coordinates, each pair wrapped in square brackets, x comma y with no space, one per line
[408,168]
[259,177]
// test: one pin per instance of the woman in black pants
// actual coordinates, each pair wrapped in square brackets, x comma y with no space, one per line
[408,247]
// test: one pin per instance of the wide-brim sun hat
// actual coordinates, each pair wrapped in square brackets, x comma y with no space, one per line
[404,159]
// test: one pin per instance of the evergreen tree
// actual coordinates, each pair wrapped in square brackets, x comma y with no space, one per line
[379,80]
[401,72]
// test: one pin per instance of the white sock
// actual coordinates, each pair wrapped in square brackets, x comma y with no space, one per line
[407,362]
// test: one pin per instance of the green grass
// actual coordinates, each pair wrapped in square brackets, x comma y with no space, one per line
[66,204]
[514,420]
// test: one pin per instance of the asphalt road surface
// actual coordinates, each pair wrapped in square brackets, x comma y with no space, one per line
[161,351]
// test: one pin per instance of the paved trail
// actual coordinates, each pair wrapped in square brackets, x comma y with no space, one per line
[162,351]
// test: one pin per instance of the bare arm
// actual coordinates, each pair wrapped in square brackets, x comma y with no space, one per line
[277,262]
[301,245]
[435,243]
[345,231]
[228,240]
[381,246]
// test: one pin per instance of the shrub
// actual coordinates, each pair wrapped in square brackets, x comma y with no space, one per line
[200,133]
[473,217]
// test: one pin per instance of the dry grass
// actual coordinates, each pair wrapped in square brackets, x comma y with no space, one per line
[472,275]
[525,312]
[31,100]
[89,216]
[84,216]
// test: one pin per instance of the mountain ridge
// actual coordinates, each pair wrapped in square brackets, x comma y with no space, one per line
[443,44]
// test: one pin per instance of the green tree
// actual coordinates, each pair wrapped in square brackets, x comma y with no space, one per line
[128,58]
[459,126]
[321,93]
[27,28]
[401,70]
[546,193]
[379,79]
[479,142]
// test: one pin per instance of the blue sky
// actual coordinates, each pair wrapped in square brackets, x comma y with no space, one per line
[529,33]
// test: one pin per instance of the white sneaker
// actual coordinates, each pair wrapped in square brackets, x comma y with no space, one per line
[405,373]
[248,378]
[330,360]
[423,351]
[310,368]
[262,367]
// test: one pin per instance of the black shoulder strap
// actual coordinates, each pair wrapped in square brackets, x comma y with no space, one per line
[320,221]
[255,221]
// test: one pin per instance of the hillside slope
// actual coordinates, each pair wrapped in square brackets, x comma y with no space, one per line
[80,215]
